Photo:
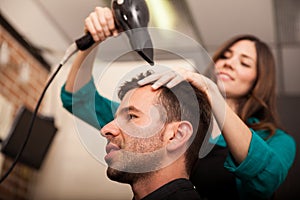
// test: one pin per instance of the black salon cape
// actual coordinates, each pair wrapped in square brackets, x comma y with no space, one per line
[178,189]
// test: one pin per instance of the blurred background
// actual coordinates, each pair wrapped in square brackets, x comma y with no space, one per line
[34,35]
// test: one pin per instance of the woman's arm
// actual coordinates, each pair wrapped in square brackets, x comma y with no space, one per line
[79,95]
[81,71]
[100,24]
[267,164]
[259,165]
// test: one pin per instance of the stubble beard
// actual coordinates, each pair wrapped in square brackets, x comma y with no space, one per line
[126,177]
[132,167]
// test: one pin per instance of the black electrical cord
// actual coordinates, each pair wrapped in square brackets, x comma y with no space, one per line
[31,125]
[73,48]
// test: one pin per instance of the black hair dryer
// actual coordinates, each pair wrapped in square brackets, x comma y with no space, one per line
[132,16]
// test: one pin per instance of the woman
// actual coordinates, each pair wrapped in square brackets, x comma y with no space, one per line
[259,154]
[252,156]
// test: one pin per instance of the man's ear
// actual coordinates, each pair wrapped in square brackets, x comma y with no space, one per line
[181,135]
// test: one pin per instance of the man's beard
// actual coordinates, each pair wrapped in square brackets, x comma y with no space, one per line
[143,157]
[131,167]
[125,177]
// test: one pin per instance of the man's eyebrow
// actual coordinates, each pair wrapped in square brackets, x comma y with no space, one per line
[129,108]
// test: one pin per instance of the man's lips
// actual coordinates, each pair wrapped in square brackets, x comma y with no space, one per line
[110,147]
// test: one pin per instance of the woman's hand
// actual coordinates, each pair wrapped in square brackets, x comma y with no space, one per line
[236,133]
[172,77]
[100,24]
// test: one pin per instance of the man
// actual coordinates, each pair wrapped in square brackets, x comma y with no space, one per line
[155,138]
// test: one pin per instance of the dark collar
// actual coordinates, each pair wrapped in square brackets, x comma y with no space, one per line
[174,188]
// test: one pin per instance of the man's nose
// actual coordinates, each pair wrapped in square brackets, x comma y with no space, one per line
[110,130]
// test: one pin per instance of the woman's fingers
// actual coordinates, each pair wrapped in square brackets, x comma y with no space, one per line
[163,80]
[97,26]
[149,79]
[168,77]
[89,27]
[171,78]
[110,22]
[175,81]
[100,24]
[158,78]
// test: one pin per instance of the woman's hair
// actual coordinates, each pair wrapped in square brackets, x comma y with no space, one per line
[261,101]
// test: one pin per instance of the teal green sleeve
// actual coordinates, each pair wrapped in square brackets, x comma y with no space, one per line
[266,165]
[88,105]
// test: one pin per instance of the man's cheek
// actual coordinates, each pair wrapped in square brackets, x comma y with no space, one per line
[147,127]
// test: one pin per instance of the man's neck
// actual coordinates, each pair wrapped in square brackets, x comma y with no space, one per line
[155,180]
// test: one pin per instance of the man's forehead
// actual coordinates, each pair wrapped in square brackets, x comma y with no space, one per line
[140,97]
[146,92]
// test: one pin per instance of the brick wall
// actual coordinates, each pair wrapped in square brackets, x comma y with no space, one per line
[20,93]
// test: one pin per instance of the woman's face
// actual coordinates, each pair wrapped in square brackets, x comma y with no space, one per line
[236,70]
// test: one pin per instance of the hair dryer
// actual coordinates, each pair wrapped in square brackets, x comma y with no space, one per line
[131,16]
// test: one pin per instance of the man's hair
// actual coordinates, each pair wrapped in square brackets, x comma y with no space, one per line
[179,106]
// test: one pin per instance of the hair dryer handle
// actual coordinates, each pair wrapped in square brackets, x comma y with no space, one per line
[85,42]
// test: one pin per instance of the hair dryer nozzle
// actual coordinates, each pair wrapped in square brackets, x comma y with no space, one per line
[144,54]
[132,16]
[140,41]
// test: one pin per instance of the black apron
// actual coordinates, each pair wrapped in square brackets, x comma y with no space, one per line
[211,179]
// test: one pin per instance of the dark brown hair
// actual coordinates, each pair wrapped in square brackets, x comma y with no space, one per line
[261,101]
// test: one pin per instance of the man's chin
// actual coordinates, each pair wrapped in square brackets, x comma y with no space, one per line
[136,163]
[121,176]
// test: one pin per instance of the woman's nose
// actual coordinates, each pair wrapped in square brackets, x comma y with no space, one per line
[230,63]
[110,130]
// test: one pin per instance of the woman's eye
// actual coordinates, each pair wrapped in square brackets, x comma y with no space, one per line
[225,55]
[244,64]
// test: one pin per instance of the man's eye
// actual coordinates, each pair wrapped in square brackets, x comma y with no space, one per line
[131,116]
